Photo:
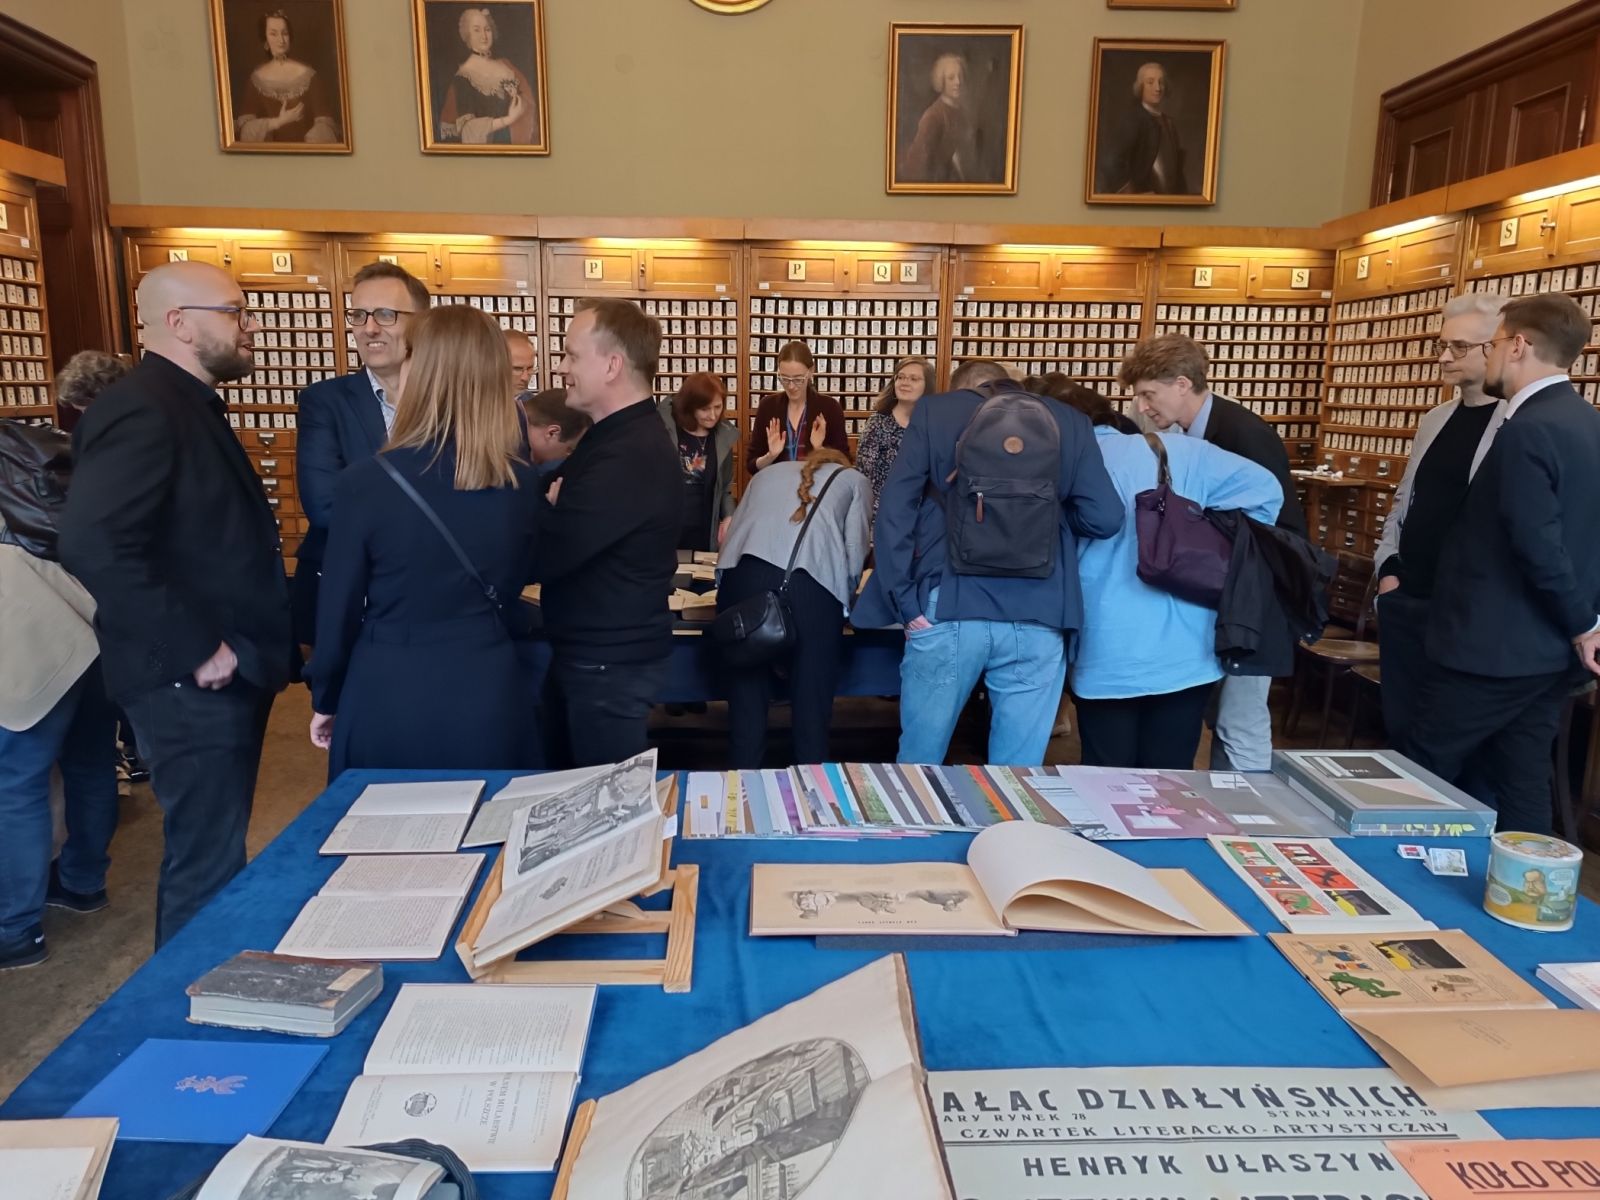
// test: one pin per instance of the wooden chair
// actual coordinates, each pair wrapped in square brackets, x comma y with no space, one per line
[1336,657]
[1368,676]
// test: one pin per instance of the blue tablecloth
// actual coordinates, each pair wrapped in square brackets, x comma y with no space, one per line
[1234,1002]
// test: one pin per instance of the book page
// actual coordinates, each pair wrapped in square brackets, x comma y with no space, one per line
[556,824]
[409,799]
[1456,1049]
[452,1028]
[423,834]
[1042,867]
[1406,971]
[492,821]
[418,874]
[372,927]
[268,1169]
[827,898]
[571,887]
[54,1173]
[511,1122]
[74,1134]
[1312,886]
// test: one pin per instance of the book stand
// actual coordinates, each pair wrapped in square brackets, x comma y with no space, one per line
[581,1121]
[674,972]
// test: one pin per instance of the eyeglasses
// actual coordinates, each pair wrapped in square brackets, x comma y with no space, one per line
[239,311]
[1510,337]
[523,372]
[383,316]
[792,380]
[1456,349]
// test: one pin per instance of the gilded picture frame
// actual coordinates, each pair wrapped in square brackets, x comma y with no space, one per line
[481,82]
[282,79]
[955,109]
[1176,5]
[1155,121]
[731,7]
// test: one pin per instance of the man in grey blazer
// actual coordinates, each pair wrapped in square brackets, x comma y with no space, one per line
[1451,441]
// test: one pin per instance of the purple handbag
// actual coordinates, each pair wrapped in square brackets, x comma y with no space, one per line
[1180,550]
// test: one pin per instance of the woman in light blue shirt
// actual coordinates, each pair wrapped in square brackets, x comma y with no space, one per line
[1146,660]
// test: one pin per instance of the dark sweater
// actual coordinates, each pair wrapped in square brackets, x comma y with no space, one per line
[608,547]
[776,407]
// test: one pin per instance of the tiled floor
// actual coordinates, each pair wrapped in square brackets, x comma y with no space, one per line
[91,956]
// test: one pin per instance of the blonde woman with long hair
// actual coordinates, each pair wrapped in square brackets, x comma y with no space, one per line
[416,665]
[766,526]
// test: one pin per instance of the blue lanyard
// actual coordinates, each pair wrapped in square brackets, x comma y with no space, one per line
[791,433]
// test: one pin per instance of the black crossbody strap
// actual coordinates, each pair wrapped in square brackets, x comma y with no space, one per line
[815,505]
[449,538]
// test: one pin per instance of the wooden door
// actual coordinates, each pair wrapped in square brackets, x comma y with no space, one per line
[1431,148]
[1512,237]
[1538,110]
[1425,256]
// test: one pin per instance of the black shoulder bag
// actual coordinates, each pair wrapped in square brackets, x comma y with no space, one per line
[519,617]
[755,631]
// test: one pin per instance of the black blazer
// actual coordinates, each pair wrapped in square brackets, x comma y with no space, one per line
[340,422]
[167,526]
[1234,427]
[1519,574]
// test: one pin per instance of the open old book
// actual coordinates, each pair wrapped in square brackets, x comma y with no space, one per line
[567,856]
[1018,875]
[55,1160]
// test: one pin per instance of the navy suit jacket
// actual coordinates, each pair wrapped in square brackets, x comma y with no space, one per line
[909,535]
[1519,574]
[340,422]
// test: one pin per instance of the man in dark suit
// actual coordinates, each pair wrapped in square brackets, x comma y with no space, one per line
[347,418]
[1147,155]
[1014,632]
[167,526]
[1517,592]
[1168,376]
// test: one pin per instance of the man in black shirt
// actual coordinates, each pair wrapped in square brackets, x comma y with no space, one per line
[1451,441]
[608,548]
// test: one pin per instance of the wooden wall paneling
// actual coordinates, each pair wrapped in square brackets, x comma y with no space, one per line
[1433,148]
[1298,277]
[584,267]
[1202,275]
[1426,256]
[1539,109]
[419,256]
[799,269]
[267,259]
[1363,269]
[1578,225]
[691,269]
[27,369]
[491,265]
[1001,274]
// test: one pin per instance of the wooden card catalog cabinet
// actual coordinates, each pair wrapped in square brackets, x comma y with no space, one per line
[860,309]
[491,265]
[1001,274]
[691,288]
[268,260]
[1426,257]
[1514,237]
[1363,269]
[416,256]
[144,252]
[26,359]
[1297,277]
[1201,276]
[1578,225]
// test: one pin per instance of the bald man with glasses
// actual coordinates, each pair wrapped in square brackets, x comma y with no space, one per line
[346,419]
[1452,440]
[167,527]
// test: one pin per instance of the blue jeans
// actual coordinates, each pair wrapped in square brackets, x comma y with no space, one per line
[79,733]
[1242,737]
[1024,665]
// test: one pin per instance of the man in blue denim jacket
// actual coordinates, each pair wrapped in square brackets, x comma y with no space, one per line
[1015,633]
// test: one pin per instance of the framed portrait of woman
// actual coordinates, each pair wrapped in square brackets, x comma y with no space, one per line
[481,77]
[955,108]
[281,78]
[1155,122]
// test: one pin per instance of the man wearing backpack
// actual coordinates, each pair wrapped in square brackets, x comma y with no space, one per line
[976,545]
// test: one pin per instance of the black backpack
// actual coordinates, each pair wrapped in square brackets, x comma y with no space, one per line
[1003,508]
[35,468]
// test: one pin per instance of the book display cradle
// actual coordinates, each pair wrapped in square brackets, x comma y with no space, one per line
[673,972]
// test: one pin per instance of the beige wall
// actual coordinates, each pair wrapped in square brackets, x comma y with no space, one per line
[94,28]
[660,108]
[1401,39]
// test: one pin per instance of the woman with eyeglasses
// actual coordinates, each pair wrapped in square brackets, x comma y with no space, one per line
[880,444]
[797,418]
[415,664]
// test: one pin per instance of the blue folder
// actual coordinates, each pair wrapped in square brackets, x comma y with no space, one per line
[200,1091]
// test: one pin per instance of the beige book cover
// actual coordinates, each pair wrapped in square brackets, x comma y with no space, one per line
[1430,971]
[63,1159]
[1018,875]
[1533,1169]
[1552,1046]
[823,1099]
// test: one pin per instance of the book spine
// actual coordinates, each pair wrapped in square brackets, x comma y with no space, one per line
[1308,792]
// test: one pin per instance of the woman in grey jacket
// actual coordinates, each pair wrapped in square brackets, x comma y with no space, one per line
[705,445]
[826,571]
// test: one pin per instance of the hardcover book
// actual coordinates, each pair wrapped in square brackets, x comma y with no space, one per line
[283,994]
[1380,793]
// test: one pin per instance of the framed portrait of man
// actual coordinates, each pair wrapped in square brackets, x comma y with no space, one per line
[1155,122]
[481,76]
[955,109]
[281,78]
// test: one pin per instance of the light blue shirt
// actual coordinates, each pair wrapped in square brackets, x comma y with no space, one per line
[1197,427]
[1138,640]
[383,401]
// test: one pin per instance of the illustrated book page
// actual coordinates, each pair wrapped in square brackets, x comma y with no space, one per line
[492,821]
[1444,969]
[823,1097]
[1314,887]
[268,1169]
[825,898]
[62,1159]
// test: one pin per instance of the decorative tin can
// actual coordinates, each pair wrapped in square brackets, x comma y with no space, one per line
[1533,881]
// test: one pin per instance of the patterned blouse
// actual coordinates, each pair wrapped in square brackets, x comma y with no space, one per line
[880,444]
